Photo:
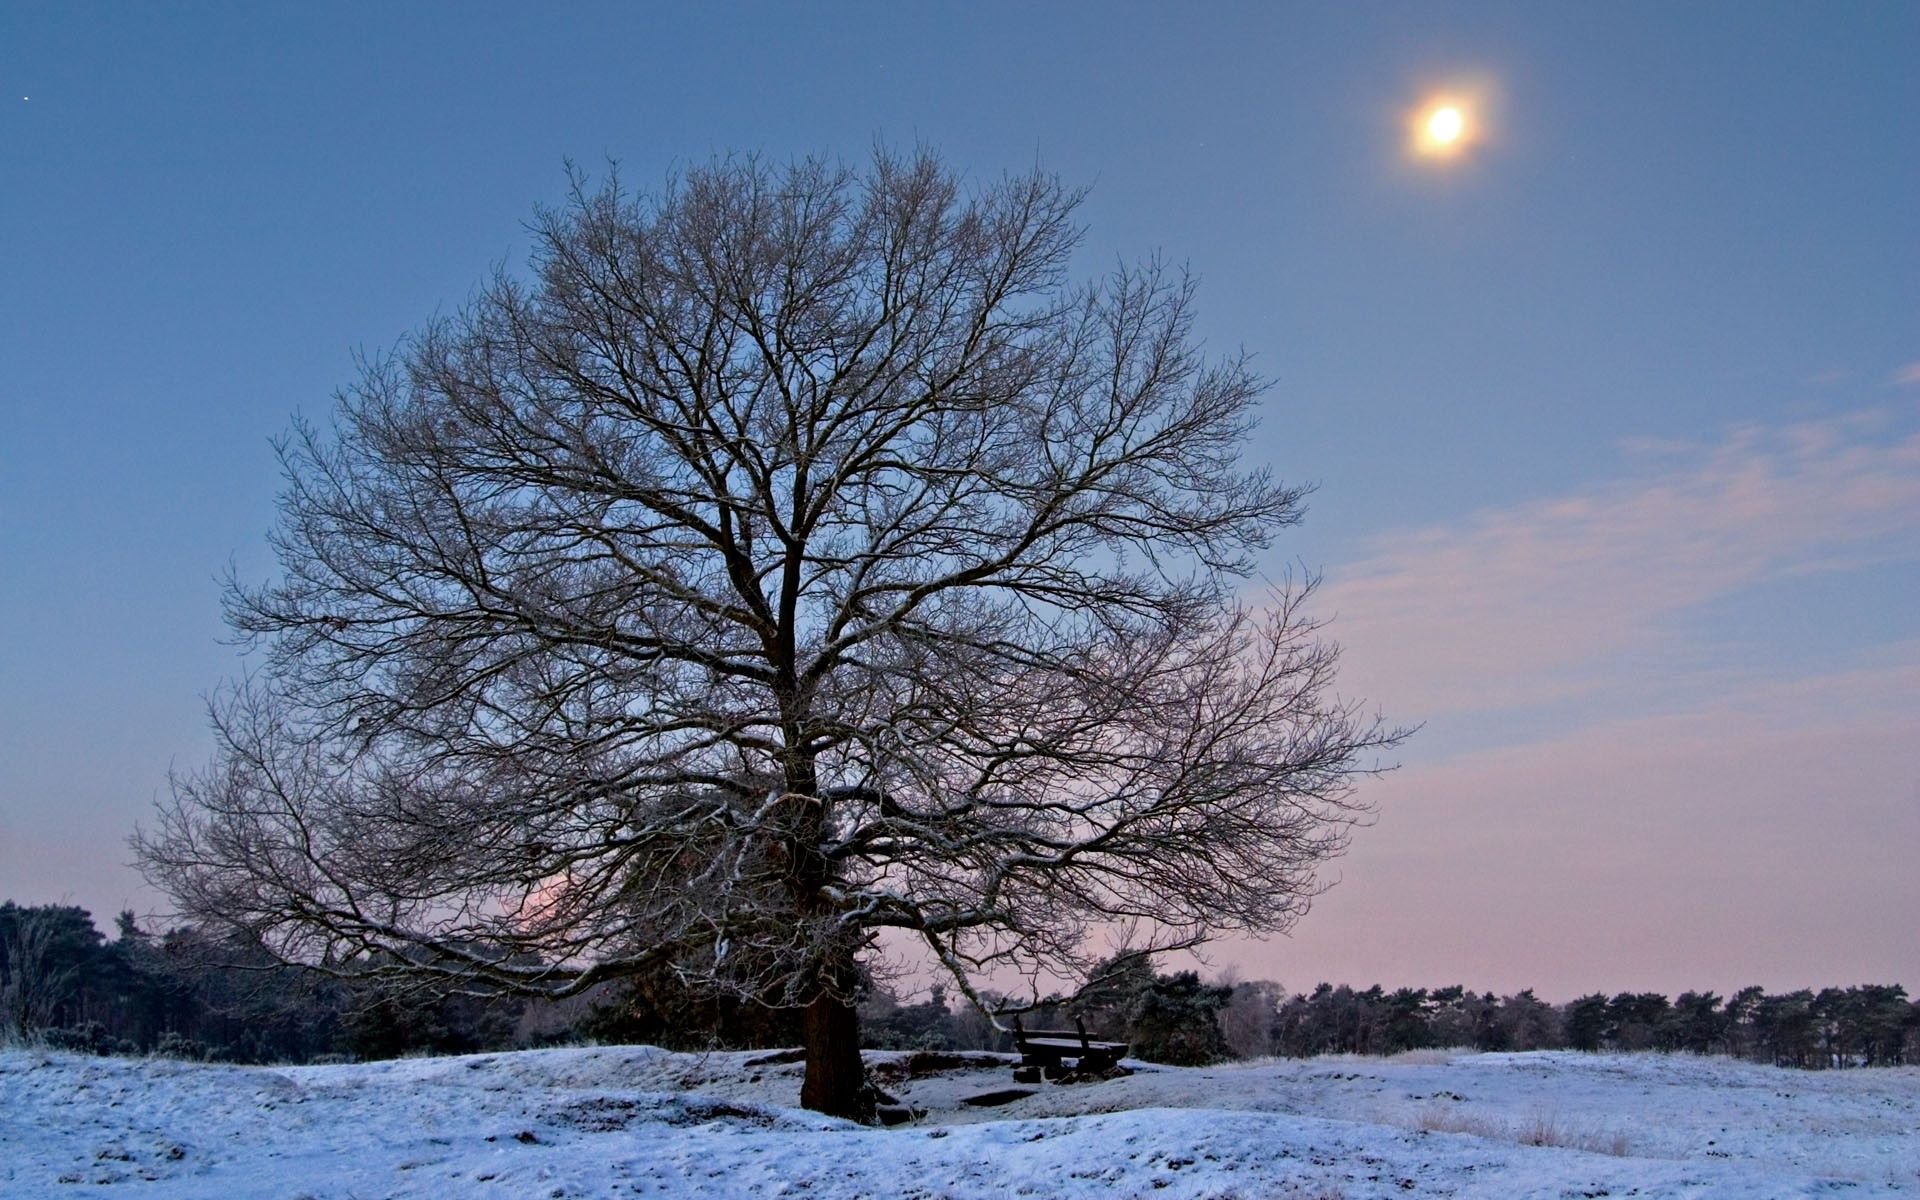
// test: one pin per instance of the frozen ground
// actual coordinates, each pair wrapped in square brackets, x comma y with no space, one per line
[632,1121]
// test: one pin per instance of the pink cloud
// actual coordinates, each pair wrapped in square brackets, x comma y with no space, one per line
[1908,375]
[1716,824]
[1543,600]
[1765,838]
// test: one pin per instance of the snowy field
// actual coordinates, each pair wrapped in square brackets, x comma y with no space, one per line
[632,1121]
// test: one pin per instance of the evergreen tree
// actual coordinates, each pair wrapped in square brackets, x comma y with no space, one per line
[1586,1022]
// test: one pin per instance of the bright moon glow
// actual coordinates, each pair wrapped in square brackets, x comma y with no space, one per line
[1442,128]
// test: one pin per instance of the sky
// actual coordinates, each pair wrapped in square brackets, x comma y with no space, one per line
[1613,417]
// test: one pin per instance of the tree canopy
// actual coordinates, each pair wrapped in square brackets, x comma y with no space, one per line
[794,553]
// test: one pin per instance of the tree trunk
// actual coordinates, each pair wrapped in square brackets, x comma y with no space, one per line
[835,1081]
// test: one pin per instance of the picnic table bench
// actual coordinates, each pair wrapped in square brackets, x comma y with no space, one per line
[1046,1051]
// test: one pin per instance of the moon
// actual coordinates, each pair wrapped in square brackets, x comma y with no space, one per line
[1442,128]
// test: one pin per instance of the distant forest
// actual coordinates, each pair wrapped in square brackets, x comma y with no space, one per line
[188,994]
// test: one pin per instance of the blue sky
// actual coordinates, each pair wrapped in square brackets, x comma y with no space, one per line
[1613,418]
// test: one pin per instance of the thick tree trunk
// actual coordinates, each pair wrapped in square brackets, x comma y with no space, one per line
[835,1081]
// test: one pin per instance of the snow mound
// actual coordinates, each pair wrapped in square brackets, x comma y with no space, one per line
[635,1121]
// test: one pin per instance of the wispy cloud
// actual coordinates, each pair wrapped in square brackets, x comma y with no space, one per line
[1544,600]
[1908,375]
[1649,808]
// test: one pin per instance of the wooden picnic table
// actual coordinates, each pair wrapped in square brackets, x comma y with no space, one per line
[1049,1050]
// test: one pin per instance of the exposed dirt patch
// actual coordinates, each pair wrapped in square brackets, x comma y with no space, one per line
[610,1114]
[996,1099]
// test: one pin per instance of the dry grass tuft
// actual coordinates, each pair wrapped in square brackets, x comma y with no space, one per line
[1444,1118]
[1550,1129]
[1540,1129]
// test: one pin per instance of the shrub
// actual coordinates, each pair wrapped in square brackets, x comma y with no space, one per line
[174,1044]
[87,1038]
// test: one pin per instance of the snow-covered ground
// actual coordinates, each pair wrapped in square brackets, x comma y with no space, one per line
[632,1121]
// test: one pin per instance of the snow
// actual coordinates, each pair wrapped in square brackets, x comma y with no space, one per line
[634,1121]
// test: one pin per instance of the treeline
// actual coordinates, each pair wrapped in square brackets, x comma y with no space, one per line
[1869,1025]
[190,994]
[187,993]
[1177,1018]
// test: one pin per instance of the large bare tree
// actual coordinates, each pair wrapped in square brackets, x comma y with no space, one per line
[794,554]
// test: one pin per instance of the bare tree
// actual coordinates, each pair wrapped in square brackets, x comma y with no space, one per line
[798,554]
[1248,1019]
[40,965]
